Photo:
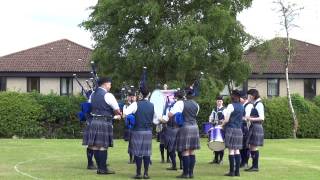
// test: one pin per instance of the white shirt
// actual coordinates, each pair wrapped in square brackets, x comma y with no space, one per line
[260,109]
[248,109]
[109,99]
[132,108]
[178,107]
[214,115]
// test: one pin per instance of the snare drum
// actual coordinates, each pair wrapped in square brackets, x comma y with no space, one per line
[216,139]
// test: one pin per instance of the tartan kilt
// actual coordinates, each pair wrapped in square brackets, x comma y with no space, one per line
[245,132]
[256,135]
[188,138]
[233,138]
[171,137]
[85,136]
[100,133]
[162,136]
[141,143]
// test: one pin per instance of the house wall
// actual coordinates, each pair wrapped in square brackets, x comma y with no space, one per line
[18,84]
[77,88]
[259,84]
[296,87]
[50,85]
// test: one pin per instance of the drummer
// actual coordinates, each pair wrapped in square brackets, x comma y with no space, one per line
[233,132]
[216,117]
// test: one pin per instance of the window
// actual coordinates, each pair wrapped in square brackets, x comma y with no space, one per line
[66,86]
[33,84]
[273,87]
[3,83]
[309,88]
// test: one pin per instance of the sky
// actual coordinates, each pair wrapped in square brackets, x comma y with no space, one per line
[29,23]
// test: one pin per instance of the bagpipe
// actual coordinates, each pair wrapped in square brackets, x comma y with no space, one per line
[84,114]
[163,101]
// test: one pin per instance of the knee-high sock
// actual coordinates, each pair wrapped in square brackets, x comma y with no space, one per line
[246,155]
[255,159]
[237,159]
[231,163]
[192,164]
[242,154]
[186,162]
[103,160]
[89,156]
[130,157]
[180,159]
[173,158]
[146,163]
[162,151]
[221,153]
[168,155]
[215,156]
[138,164]
[96,157]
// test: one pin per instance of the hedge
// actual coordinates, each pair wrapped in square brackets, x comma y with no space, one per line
[33,115]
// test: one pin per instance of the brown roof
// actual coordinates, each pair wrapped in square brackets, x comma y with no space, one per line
[58,56]
[305,60]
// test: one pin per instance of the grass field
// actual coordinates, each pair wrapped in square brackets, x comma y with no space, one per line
[65,159]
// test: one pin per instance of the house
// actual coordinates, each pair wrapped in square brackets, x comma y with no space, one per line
[268,72]
[47,68]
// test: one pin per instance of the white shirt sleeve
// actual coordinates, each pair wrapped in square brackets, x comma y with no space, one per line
[177,107]
[131,109]
[111,100]
[89,100]
[248,110]
[198,109]
[260,109]
[227,112]
[155,118]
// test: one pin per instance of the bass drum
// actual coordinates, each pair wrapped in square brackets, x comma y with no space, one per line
[216,139]
[159,102]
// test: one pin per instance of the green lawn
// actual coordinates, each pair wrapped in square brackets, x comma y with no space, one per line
[65,159]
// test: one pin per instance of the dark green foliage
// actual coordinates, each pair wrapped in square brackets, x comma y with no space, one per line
[174,39]
[19,115]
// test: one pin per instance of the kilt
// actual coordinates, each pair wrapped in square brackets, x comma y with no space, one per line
[245,132]
[256,135]
[171,136]
[100,133]
[188,138]
[85,137]
[141,143]
[233,138]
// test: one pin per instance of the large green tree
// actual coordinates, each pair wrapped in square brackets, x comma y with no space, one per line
[175,39]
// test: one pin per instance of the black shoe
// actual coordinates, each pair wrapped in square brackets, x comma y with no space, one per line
[252,169]
[137,176]
[146,176]
[172,169]
[91,167]
[229,174]
[237,174]
[191,176]
[183,176]
[102,172]
[243,165]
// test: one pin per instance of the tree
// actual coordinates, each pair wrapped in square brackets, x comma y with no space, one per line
[175,39]
[288,11]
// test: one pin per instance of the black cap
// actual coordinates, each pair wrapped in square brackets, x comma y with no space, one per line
[243,94]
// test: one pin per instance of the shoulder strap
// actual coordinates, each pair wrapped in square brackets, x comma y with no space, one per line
[255,104]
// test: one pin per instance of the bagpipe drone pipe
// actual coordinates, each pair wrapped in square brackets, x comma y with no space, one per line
[85,106]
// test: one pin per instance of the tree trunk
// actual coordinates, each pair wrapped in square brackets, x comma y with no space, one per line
[294,117]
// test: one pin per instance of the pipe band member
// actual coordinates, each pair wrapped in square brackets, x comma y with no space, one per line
[245,151]
[188,139]
[233,132]
[256,132]
[104,108]
[141,134]
[171,135]
[216,117]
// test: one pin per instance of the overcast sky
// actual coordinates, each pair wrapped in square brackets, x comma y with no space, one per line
[29,23]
